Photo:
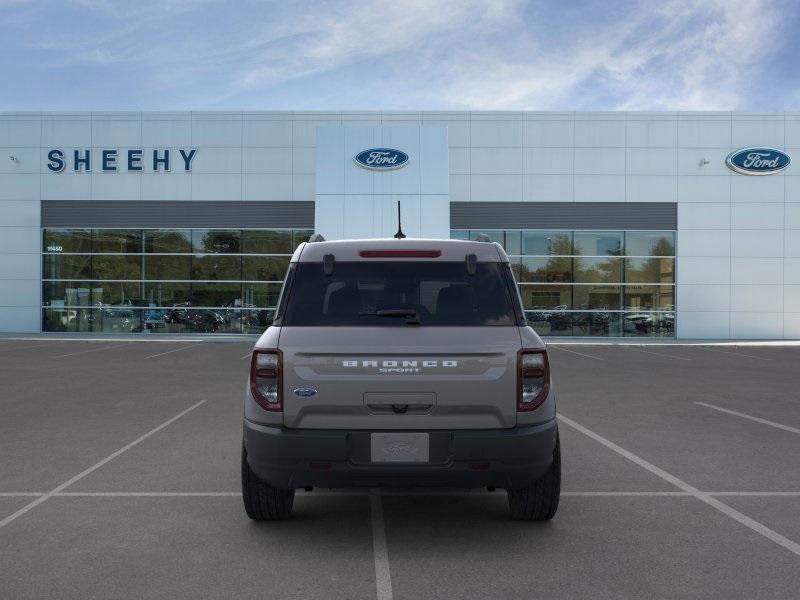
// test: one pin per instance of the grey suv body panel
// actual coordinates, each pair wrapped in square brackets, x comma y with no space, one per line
[403,378]
[458,384]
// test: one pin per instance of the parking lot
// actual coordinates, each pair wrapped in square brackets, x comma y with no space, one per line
[120,475]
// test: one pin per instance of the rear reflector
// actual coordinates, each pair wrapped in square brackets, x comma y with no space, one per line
[400,253]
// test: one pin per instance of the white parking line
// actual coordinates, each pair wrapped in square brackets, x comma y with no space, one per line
[742,354]
[383,578]
[147,494]
[751,418]
[656,353]
[756,494]
[194,345]
[248,355]
[94,467]
[91,350]
[734,514]
[573,352]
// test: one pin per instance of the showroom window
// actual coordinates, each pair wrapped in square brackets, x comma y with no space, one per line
[592,283]
[164,280]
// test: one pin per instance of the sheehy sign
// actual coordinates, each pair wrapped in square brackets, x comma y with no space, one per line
[111,161]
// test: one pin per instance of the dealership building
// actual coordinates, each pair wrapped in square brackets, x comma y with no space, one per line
[620,224]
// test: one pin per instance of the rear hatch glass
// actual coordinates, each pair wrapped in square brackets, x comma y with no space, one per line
[386,293]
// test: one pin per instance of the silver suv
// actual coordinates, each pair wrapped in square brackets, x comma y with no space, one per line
[400,363]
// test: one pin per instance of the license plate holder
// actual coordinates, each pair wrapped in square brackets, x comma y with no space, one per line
[399,447]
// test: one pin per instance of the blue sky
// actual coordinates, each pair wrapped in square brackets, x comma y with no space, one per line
[394,54]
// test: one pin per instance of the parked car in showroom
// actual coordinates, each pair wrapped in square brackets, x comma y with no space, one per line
[400,363]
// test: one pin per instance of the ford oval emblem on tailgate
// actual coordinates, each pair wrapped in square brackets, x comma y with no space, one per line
[305,392]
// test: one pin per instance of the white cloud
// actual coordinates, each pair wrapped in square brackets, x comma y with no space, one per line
[684,56]
[476,54]
[322,39]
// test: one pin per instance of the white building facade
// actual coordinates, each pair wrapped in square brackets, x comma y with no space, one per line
[618,224]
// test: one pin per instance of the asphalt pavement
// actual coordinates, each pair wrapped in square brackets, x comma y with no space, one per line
[119,478]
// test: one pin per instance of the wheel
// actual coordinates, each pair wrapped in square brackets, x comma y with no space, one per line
[262,502]
[538,501]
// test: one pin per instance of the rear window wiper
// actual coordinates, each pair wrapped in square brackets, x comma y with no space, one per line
[412,314]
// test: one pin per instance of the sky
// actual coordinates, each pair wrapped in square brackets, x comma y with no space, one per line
[400,55]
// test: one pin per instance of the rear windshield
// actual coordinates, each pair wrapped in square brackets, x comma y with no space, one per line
[399,294]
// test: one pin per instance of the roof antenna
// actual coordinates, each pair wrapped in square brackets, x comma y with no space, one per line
[399,235]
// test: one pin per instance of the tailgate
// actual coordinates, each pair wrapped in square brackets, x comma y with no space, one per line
[399,378]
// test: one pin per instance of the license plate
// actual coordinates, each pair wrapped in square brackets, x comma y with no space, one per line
[399,447]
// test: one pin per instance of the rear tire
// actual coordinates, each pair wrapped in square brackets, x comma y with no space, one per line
[538,501]
[262,502]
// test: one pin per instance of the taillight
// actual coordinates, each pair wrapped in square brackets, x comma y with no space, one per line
[266,379]
[533,379]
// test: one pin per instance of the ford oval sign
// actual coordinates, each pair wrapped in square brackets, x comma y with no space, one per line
[305,392]
[381,159]
[758,161]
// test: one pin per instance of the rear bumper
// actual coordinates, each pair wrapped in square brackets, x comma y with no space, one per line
[506,458]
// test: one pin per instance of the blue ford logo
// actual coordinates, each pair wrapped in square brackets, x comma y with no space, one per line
[305,392]
[758,161]
[381,159]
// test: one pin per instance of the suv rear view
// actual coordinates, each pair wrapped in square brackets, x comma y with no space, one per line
[400,363]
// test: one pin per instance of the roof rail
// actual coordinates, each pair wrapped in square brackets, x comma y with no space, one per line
[316,237]
[482,237]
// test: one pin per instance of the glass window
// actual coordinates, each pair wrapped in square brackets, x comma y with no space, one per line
[67,266]
[67,240]
[459,234]
[513,242]
[596,324]
[598,270]
[598,243]
[202,320]
[649,270]
[58,294]
[167,267]
[117,320]
[545,243]
[167,294]
[538,297]
[267,242]
[371,293]
[256,321]
[117,266]
[494,235]
[648,324]
[265,268]
[217,267]
[116,293]
[299,236]
[545,270]
[167,241]
[597,297]
[650,243]
[226,241]
[551,322]
[649,297]
[67,319]
[216,294]
[262,294]
[117,240]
